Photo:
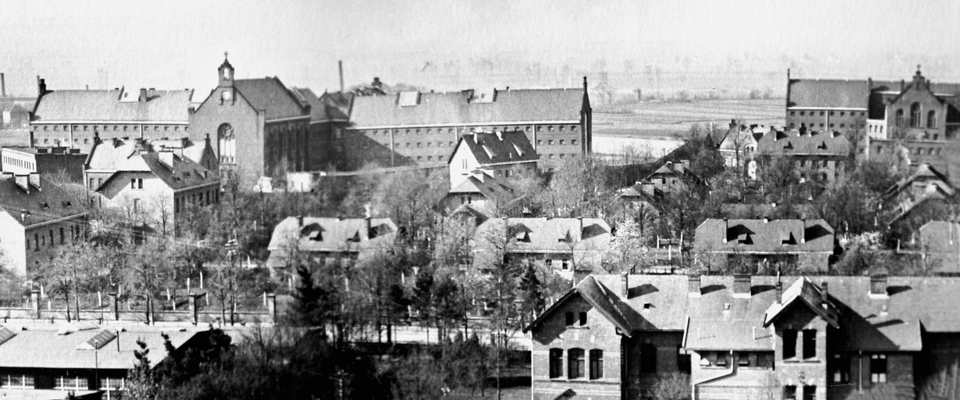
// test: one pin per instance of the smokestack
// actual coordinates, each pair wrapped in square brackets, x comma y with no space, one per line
[625,284]
[741,285]
[41,86]
[340,67]
[3,85]
[693,286]
[823,294]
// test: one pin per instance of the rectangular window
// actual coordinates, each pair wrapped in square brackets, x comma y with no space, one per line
[583,318]
[878,368]
[556,363]
[840,369]
[569,319]
[565,264]
[136,206]
[809,392]
[790,392]
[789,344]
[63,238]
[576,364]
[596,364]
[809,344]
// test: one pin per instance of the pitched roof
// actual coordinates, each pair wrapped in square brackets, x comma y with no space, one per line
[270,95]
[30,203]
[544,235]
[835,93]
[497,148]
[327,107]
[491,188]
[679,169]
[600,298]
[330,235]
[924,173]
[802,292]
[791,142]
[119,105]
[184,147]
[457,108]
[767,236]
[37,347]
[121,156]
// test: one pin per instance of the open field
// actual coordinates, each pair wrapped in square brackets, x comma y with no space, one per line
[651,118]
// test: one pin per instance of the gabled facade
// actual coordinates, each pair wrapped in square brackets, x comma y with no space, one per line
[333,241]
[491,156]
[571,247]
[739,145]
[674,176]
[743,337]
[493,197]
[818,156]
[805,244]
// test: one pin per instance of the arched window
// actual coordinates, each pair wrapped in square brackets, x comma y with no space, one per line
[556,363]
[576,364]
[226,144]
[915,115]
[596,364]
[931,119]
[899,118]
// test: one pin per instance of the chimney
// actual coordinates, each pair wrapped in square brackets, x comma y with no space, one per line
[779,291]
[803,230]
[903,85]
[367,225]
[693,286]
[34,180]
[300,220]
[340,67]
[878,284]
[580,227]
[3,85]
[41,86]
[869,83]
[741,285]
[500,135]
[625,284]
[824,294]
[166,157]
[726,229]
[376,82]
[143,95]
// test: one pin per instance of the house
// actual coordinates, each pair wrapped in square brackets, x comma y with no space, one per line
[491,155]
[82,356]
[74,118]
[201,153]
[746,337]
[423,128]
[334,241]
[491,196]
[64,163]
[150,189]
[36,216]
[572,247]
[674,176]
[804,244]
[925,180]
[739,145]
[822,157]
[258,127]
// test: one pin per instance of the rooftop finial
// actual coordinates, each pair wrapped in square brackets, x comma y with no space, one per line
[918,69]
[225,54]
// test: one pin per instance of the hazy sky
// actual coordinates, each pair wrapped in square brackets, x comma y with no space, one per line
[178,44]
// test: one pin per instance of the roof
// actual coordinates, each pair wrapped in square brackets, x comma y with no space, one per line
[766,210]
[936,181]
[492,189]
[802,292]
[662,303]
[270,95]
[330,235]
[30,203]
[679,169]
[38,347]
[327,107]
[765,236]
[184,147]
[813,143]
[835,93]
[113,105]
[497,148]
[122,156]
[537,235]
[456,108]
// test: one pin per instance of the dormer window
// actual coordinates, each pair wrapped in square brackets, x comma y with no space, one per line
[569,318]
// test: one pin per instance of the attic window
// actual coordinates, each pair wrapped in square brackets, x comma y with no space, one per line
[788,146]
[97,342]
[489,152]
[408,99]
[787,238]
[44,205]
[822,146]
[66,204]
[523,236]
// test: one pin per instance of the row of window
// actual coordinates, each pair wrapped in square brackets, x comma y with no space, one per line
[573,142]
[839,368]
[790,392]
[808,338]
[818,163]
[43,240]
[576,365]
[201,199]
[822,113]
[115,128]
[429,131]
[930,151]
[19,163]
[551,156]
[916,119]
[746,359]
[63,382]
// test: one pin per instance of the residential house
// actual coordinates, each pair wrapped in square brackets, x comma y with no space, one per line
[334,241]
[64,163]
[83,357]
[750,243]
[822,157]
[150,189]
[674,176]
[75,118]
[739,145]
[919,198]
[572,247]
[37,217]
[423,128]
[491,196]
[491,155]
[743,337]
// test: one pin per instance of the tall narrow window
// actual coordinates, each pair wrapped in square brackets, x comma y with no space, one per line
[576,364]
[226,144]
[899,118]
[583,318]
[790,392]
[931,119]
[840,369]
[915,115]
[569,316]
[556,363]
[789,344]
[878,368]
[809,392]
[809,344]
[596,364]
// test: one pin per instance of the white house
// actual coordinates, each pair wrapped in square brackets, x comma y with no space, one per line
[491,155]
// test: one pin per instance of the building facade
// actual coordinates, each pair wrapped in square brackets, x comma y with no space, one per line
[817,156]
[66,164]
[755,244]
[495,155]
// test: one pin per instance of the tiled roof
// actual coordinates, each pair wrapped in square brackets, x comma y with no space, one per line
[327,107]
[757,235]
[662,302]
[183,147]
[44,348]
[765,210]
[679,169]
[44,203]
[544,235]
[491,188]
[508,106]
[792,143]
[330,235]
[495,148]
[138,156]
[802,292]
[828,93]
[270,95]
[935,180]
[106,105]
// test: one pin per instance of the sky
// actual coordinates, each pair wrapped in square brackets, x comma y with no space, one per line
[446,44]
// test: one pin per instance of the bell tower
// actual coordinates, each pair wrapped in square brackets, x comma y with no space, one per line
[225,85]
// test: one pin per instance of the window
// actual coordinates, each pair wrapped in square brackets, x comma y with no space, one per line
[648,358]
[562,142]
[556,363]
[70,382]
[809,344]
[565,264]
[840,369]
[573,142]
[743,359]
[583,318]
[17,381]
[789,344]
[932,119]
[36,242]
[915,115]
[63,237]
[878,368]
[809,392]
[596,364]
[576,364]
[899,118]
[136,206]
[569,316]
[790,392]
[136,183]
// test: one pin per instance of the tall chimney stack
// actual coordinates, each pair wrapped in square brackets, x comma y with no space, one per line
[625,284]
[3,85]
[340,67]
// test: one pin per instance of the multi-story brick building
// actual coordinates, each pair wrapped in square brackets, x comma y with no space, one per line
[73,118]
[805,245]
[818,156]
[257,127]
[743,337]
[423,127]
[329,116]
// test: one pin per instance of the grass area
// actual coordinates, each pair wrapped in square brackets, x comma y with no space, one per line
[650,118]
